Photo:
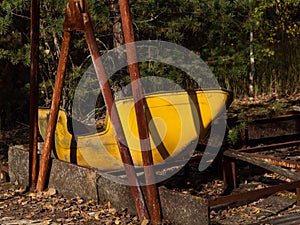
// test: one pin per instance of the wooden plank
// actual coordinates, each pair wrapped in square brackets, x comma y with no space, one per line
[258,162]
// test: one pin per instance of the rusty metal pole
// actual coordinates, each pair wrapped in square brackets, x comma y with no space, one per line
[152,192]
[34,71]
[48,142]
[114,116]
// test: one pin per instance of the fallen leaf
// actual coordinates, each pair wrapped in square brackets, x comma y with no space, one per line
[145,222]
[47,221]
[108,204]
[255,211]
[21,190]
[50,192]
[97,215]
[117,221]
[74,213]
[112,211]
[245,215]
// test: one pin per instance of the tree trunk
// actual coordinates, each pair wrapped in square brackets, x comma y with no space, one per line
[118,39]
[118,80]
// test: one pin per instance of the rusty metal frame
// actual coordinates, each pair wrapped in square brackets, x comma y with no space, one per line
[250,155]
[77,19]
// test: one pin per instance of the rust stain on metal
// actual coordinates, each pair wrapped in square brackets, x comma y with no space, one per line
[73,19]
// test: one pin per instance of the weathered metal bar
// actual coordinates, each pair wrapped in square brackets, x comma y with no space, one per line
[233,171]
[4,170]
[298,196]
[271,146]
[228,176]
[71,23]
[251,195]
[34,71]
[276,161]
[276,169]
[112,110]
[59,81]
[152,191]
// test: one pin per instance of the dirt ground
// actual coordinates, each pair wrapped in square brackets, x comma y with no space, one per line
[19,206]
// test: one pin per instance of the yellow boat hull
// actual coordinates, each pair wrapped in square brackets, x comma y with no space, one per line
[176,119]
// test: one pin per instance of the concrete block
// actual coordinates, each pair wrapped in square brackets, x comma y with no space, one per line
[18,164]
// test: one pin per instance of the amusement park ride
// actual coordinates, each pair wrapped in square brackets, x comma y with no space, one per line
[125,118]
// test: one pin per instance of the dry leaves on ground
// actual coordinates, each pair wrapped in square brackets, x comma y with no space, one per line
[48,207]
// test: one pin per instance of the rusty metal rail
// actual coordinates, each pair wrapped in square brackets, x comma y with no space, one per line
[270,163]
[254,194]
[4,170]
[270,146]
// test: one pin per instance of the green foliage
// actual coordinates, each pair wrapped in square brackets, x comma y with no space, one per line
[279,107]
[216,30]
[234,134]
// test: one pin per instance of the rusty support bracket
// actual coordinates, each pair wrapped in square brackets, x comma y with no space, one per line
[229,174]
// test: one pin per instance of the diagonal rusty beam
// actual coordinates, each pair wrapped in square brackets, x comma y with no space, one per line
[71,23]
[48,142]
[152,192]
[113,113]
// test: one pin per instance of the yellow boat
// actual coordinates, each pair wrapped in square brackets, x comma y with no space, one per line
[176,119]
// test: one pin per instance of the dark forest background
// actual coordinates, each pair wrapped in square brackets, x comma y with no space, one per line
[252,46]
